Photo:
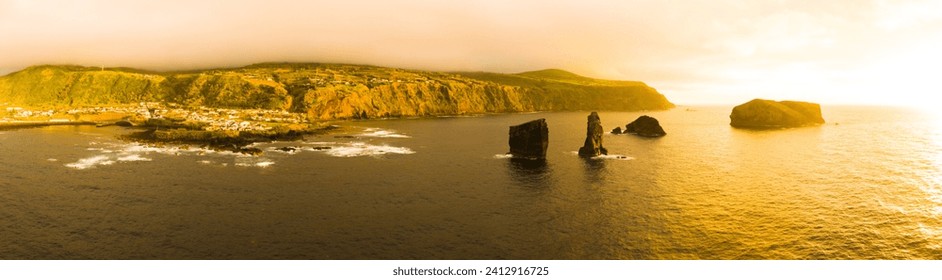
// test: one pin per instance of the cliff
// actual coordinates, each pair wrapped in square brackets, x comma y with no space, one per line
[329,91]
[760,113]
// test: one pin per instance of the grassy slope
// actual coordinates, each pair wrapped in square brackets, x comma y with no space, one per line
[329,91]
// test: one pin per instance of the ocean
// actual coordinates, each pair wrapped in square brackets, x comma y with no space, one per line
[867,185]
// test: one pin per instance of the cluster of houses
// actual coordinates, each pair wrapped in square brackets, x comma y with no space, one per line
[13,113]
[213,119]
[221,119]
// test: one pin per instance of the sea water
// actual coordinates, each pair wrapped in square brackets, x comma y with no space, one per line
[867,185]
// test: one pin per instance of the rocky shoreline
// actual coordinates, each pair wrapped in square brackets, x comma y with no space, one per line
[7,124]
[214,128]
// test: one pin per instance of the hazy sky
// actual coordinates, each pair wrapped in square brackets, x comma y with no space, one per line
[715,51]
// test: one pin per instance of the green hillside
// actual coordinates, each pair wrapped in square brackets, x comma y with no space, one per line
[329,91]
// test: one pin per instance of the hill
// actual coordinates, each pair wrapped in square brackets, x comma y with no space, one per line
[328,91]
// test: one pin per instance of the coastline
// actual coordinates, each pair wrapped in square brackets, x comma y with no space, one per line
[221,129]
[17,124]
[156,123]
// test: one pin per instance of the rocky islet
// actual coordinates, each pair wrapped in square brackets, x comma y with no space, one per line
[768,114]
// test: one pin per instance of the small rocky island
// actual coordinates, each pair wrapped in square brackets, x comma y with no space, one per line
[644,126]
[529,140]
[768,114]
[593,138]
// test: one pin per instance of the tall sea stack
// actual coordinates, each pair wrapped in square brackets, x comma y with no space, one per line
[593,138]
[529,140]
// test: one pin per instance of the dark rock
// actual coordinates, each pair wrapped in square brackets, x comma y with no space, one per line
[287,149]
[593,138]
[761,114]
[345,136]
[124,123]
[320,148]
[617,130]
[645,126]
[250,151]
[529,140]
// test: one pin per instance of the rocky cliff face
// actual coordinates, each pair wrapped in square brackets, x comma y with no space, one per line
[760,113]
[330,91]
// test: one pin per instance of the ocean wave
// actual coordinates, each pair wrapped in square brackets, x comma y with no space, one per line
[380,133]
[357,149]
[319,143]
[103,150]
[134,157]
[90,162]
[111,153]
[108,153]
[253,162]
[606,157]
[613,157]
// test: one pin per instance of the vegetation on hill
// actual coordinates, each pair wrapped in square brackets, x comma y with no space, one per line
[329,91]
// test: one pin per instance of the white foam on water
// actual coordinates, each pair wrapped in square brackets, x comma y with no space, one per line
[138,148]
[503,156]
[358,149]
[262,164]
[102,150]
[613,157]
[320,143]
[111,153]
[253,162]
[380,133]
[133,157]
[52,160]
[606,157]
[90,162]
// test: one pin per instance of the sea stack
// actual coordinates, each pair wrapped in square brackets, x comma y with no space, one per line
[645,126]
[529,140]
[593,138]
[766,114]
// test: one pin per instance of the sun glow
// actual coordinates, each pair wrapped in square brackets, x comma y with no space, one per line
[908,77]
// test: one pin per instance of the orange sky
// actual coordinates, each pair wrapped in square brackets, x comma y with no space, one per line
[716,51]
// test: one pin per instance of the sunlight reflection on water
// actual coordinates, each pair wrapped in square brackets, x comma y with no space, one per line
[932,181]
[869,187]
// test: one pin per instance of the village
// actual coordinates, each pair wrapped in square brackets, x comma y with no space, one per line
[153,114]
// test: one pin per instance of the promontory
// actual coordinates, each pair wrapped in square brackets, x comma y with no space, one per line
[328,91]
